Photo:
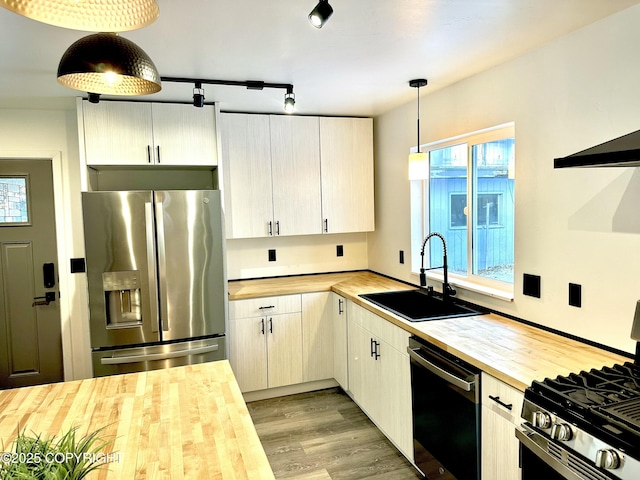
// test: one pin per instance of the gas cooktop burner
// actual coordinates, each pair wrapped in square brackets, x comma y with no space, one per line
[605,402]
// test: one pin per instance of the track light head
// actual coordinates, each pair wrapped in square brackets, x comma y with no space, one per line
[320,14]
[198,95]
[289,102]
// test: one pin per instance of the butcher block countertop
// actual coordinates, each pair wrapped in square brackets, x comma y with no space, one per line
[184,422]
[509,350]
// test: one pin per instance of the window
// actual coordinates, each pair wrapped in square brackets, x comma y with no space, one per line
[468,197]
[13,201]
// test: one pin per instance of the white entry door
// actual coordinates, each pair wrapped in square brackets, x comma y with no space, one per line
[30,337]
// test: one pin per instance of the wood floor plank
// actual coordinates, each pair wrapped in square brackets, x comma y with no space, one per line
[324,435]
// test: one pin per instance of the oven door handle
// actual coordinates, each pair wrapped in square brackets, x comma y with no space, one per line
[436,370]
[538,445]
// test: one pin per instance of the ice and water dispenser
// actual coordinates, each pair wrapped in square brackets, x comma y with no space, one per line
[122,298]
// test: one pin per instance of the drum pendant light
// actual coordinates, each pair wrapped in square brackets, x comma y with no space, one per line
[418,162]
[88,15]
[107,63]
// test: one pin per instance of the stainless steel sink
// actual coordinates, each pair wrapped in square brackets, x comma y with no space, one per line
[419,306]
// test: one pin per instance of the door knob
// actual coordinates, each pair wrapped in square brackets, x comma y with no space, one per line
[46,300]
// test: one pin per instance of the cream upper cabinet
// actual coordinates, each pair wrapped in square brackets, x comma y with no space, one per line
[138,133]
[294,175]
[246,172]
[295,170]
[184,134]
[346,152]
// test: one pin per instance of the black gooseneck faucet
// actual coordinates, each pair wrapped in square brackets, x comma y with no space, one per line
[447,289]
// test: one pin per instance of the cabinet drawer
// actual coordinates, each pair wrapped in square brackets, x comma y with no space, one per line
[379,327]
[497,396]
[256,307]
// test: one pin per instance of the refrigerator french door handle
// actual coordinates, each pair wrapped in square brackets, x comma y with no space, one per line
[157,356]
[162,266]
[151,265]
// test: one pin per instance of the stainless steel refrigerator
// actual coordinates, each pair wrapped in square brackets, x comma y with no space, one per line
[156,279]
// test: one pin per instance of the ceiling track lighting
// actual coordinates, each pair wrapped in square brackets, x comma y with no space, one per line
[418,161]
[198,95]
[93,16]
[289,97]
[106,63]
[320,14]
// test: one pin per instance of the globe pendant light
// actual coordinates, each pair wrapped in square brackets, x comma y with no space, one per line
[418,162]
[88,15]
[107,63]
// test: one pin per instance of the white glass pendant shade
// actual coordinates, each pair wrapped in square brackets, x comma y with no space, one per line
[88,15]
[418,166]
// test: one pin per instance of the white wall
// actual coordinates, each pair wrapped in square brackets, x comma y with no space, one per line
[248,258]
[27,134]
[573,225]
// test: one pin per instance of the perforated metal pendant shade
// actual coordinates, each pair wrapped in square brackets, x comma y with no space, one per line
[88,15]
[109,64]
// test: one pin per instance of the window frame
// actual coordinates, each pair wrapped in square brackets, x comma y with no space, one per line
[420,213]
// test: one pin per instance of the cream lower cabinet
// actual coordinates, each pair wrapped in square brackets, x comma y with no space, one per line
[379,374]
[501,407]
[317,336]
[265,342]
[340,356]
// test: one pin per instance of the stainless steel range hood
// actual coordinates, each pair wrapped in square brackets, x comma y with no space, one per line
[620,152]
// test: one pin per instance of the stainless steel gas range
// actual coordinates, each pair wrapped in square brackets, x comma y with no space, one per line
[583,426]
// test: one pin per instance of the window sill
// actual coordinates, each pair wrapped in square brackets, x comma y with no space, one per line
[500,294]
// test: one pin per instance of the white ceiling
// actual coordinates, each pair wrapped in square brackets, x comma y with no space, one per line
[358,64]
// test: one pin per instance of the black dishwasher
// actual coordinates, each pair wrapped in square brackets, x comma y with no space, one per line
[446,413]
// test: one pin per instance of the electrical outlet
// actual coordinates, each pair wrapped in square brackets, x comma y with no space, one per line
[339,250]
[531,285]
[401,256]
[575,295]
[272,255]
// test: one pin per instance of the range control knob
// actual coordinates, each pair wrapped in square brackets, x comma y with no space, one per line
[541,419]
[608,459]
[562,432]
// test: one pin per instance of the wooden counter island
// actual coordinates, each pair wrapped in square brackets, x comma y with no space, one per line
[179,423]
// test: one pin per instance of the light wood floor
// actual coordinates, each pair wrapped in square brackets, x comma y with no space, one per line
[324,435]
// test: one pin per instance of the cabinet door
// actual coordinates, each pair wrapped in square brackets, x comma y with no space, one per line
[295,169]
[395,398]
[340,355]
[183,134]
[248,352]
[346,157]
[284,349]
[246,153]
[317,336]
[500,448]
[117,133]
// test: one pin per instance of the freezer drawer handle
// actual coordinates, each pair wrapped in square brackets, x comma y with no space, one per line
[157,356]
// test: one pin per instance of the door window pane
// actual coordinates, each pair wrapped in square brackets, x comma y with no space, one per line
[13,200]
